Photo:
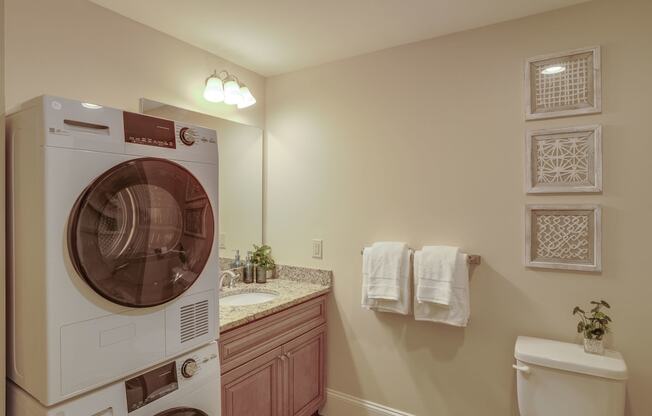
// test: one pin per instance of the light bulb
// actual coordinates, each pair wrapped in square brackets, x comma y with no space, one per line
[247,97]
[214,90]
[554,69]
[232,91]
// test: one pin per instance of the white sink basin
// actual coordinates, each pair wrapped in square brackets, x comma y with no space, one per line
[247,298]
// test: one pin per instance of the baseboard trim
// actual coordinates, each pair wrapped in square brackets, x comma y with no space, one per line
[342,404]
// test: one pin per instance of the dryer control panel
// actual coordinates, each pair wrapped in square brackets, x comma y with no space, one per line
[193,136]
[148,130]
[146,135]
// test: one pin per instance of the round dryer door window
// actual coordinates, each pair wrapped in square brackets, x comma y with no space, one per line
[182,411]
[142,232]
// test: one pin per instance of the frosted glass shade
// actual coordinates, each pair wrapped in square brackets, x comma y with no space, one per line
[214,90]
[232,91]
[247,97]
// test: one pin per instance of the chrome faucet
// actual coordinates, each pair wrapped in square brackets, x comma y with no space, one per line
[232,278]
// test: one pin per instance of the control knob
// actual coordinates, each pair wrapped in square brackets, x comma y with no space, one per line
[187,136]
[189,368]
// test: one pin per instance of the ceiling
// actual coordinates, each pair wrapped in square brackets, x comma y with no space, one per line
[276,36]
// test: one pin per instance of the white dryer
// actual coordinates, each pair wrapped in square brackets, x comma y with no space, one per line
[112,248]
[186,386]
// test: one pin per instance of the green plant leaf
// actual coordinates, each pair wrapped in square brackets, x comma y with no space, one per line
[577,310]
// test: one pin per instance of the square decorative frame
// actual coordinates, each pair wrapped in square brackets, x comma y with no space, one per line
[575,90]
[565,237]
[563,160]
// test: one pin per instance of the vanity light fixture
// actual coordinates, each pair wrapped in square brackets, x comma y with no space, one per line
[553,69]
[226,87]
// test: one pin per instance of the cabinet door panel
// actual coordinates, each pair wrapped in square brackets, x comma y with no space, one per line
[305,372]
[253,389]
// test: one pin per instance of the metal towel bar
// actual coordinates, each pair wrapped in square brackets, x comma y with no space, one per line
[472,259]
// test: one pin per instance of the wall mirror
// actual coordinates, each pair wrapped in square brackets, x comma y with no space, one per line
[240,158]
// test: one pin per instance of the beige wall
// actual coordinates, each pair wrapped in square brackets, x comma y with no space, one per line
[424,144]
[77,49]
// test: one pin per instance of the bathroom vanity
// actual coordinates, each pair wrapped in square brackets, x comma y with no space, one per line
[273,353]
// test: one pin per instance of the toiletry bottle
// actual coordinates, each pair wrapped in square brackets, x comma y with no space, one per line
[261,274]
[236,263]
[248,270]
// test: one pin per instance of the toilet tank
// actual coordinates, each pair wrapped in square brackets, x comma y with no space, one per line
[559,379]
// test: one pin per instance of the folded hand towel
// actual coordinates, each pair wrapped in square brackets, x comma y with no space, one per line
[434,274]
[458,311]
[381,287]
[383,267]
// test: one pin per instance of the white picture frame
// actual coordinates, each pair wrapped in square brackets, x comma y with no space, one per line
[563,237]
[575,90]
[564,160]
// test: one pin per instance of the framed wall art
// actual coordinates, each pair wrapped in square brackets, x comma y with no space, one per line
[566,237]
[563,84]
[564,160]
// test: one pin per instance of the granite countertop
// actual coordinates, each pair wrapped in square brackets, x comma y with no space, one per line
[294,285]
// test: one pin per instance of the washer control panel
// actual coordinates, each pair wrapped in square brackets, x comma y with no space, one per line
[189,368]
[172,376]
[192,365]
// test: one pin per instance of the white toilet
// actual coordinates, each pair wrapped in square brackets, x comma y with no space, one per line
[560,379]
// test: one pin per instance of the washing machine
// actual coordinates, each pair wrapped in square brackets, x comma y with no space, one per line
[186,386]
[112,248]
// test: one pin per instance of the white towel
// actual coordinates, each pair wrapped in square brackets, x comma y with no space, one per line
[383,268]
[401,305]
[434,274]
[458,311]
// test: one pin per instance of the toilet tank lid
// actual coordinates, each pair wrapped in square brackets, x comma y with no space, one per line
[570,357]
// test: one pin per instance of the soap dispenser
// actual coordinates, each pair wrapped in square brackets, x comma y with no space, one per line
[248,270]
[236,263]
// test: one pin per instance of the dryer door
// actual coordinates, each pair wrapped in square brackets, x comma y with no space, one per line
[142,232]
[182,411]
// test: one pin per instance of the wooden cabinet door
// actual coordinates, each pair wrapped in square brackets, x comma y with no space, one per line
[305,373]
[253,389]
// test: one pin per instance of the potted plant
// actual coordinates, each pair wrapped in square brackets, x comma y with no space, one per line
[265,265]
[594,325]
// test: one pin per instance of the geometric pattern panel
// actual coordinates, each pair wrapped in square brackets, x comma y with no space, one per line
[563,84]
[564,237]
[563,89]
[564,160]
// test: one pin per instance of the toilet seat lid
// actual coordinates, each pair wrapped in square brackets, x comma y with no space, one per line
[570,357]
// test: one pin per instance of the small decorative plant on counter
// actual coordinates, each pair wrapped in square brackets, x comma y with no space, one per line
[264,262]
[594,325]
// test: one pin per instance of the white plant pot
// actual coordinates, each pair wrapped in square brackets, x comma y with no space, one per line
[594,346]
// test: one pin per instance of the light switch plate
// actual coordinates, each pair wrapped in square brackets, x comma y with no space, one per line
[317,249]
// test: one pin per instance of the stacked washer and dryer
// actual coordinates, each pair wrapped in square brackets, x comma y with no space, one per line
[113,263]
